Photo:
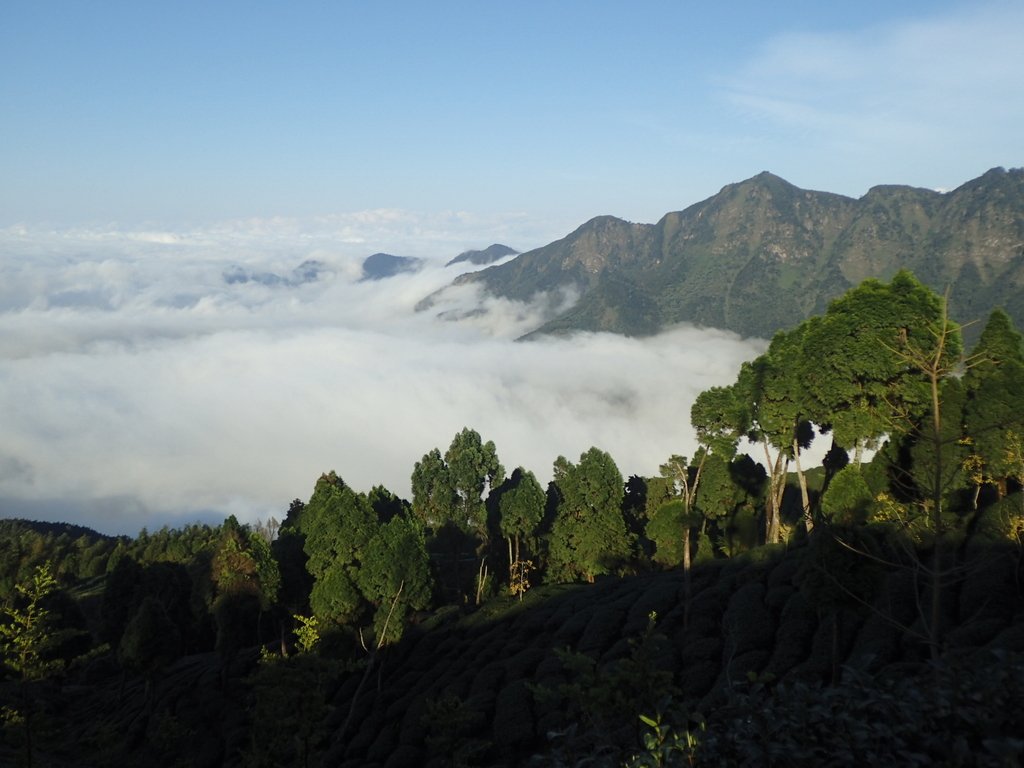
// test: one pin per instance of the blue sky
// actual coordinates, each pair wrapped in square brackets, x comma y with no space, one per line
[190,113]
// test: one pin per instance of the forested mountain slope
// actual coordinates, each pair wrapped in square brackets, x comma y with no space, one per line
[762,255]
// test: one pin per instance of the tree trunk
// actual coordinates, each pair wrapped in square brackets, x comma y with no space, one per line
[858,453]
[937,522]
[804,496]
[686,575]
[481,575]
[835,646]
[511,563]
[776,489]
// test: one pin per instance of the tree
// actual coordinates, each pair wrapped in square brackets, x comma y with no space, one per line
[473,468]
[120,598]
[664,529]
[726,501]
[150,642]
[386,505]
[395,576]
[432,494]
[520,510]
[244,571]
[933,353]
[448,495]
[339,524]
[684,481]
[860,386]
[29,635]
[28,638]
[589,535]
[848,498]
[908,378]
[721,419]
[994,408]
[782,414]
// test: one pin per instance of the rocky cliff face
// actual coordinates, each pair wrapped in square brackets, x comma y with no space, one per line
[762,255]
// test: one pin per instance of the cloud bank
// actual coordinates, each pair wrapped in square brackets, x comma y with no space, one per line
[140,387]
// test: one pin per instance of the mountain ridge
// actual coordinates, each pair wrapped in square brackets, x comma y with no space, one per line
[763,254]
[488,255]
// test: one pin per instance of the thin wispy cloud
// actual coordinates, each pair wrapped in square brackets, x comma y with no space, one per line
[912,89]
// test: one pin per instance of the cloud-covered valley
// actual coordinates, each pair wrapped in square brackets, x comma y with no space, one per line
[141,384]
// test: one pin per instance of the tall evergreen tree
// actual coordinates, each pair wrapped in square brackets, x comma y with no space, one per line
[589,535]
[433,496]
[994,408]
[338,523]
[473,469]
[521,503]
[395,576]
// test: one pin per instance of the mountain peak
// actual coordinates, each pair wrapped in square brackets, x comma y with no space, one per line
[383,265]
[765,181]
[488,255]
[763,255]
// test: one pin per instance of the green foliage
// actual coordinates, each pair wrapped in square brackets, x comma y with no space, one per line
[432,494]
[665,529]
[521,505]
[307,636]
[601,702]
[395,576]
[234,568]
[589,536]
[338,524]
[720,492]
[28,635]
[720,418]
[386,504]
[848,499]
[72,551]
[665,745]
[452,488]
[335,599]
[937,459]
[150,641]
[473,467]
[994,408]
[289,706]
[857,374]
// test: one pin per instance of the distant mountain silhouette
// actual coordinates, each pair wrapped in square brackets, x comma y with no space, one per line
[383,265]
[488,255]
[307,272]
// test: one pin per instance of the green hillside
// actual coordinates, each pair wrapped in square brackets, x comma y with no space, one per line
[762,255]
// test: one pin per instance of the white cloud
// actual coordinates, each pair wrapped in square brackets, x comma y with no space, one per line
[162,393]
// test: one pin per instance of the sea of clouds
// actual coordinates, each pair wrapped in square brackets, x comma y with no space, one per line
[140,386]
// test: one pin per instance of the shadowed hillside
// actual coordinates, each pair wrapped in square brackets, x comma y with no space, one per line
[492,685]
